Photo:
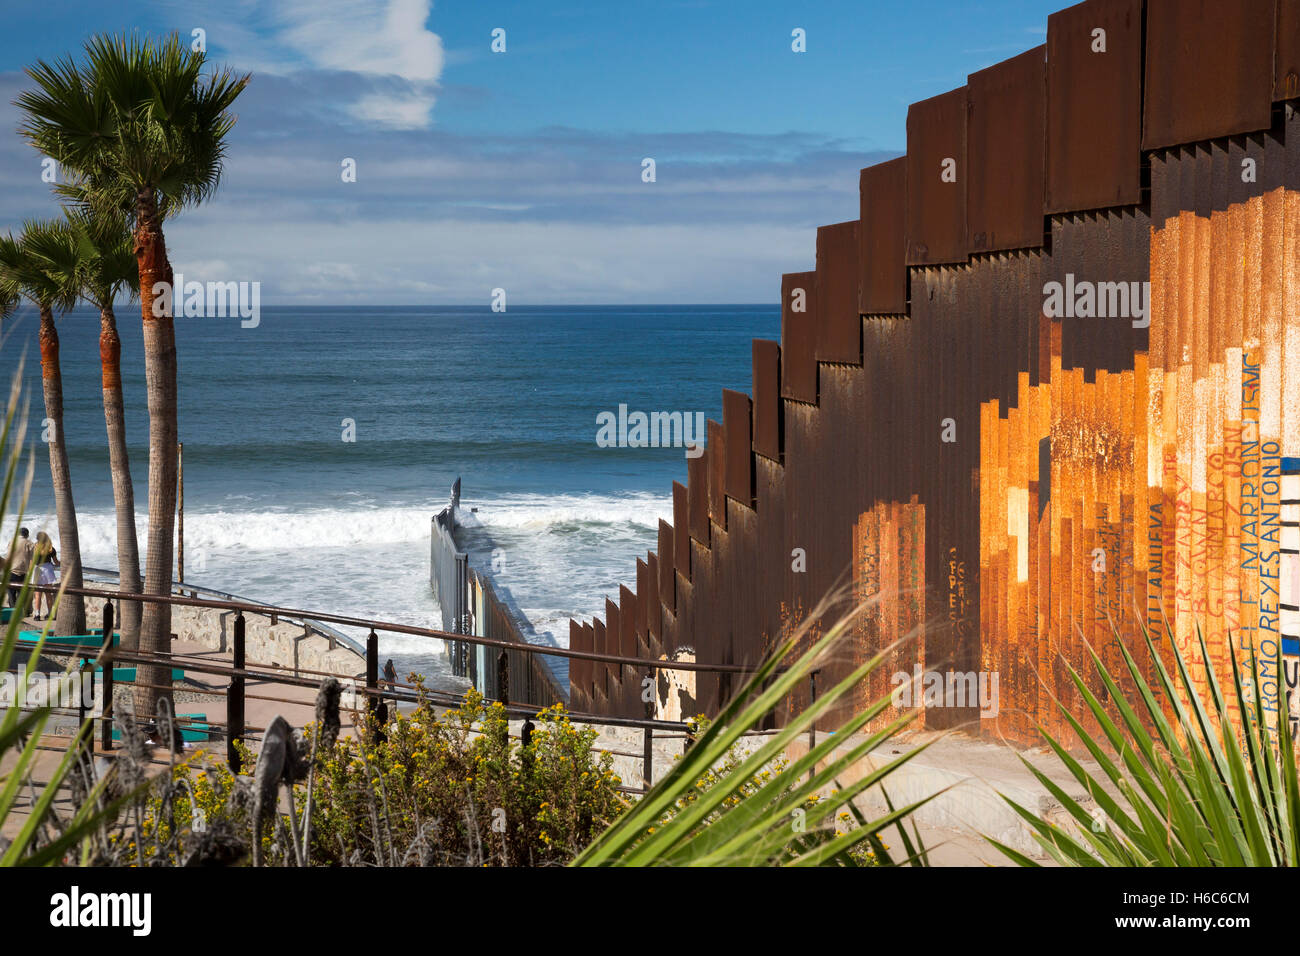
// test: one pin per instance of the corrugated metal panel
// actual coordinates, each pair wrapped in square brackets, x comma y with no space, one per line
[628,620]
[882,192]
[577,668]
[628,617]
[1209,69]
[589,667]
[654,606]
[667,557]
[936,179]
[737,421]
[699,632]
[613,647]
[643,602]
[1005,130]
[1075,434]
[839,331]
[799,336]
[682,530]
[767,398]
[1094,106]
[697,477]
[717,456]
[1286,72]
[601,671]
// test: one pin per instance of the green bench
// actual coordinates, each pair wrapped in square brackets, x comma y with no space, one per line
[94,639]
[127,674]
[196,731]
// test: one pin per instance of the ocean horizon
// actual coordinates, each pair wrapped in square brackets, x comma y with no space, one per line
[318,445]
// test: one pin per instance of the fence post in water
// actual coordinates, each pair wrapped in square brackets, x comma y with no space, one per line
[647,769]
[235,699]
[503,678]
[106,663]
[372,670]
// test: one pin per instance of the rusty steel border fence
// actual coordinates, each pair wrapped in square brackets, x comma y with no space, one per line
[366,684]
[1147,141]
[471,605]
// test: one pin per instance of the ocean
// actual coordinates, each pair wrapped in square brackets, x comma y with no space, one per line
[281,507]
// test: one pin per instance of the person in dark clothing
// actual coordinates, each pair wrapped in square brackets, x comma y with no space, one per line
[20,559]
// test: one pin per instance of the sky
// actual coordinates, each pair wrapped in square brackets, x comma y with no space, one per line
[523,170]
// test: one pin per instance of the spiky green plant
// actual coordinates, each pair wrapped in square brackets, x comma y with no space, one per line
[681,823]
[41,839]
[1197,790]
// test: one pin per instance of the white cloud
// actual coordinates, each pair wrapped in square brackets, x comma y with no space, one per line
[388,40]
[409,111]
[458,261]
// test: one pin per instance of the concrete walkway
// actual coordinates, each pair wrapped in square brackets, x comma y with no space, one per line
[973,771]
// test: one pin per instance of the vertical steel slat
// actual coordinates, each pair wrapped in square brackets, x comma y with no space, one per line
[667,560]
[681,532]
[1005,153]
[839,332]
[799,336]
[937,177]
[717,477]
[882,239]
[1094,106]
[766,357]
[1209,69]
[737,427]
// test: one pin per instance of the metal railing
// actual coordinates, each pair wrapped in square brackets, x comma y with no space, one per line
[240,672]
[333,635]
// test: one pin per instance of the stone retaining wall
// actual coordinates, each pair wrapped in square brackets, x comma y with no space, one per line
[288,645]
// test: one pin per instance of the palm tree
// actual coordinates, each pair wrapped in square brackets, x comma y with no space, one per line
[41,267]
[108,269]
[144,131]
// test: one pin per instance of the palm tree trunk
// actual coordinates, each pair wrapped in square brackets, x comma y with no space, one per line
[128,546]
[71,618]
[160,380]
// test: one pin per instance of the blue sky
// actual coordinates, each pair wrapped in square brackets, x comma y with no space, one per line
[522,169]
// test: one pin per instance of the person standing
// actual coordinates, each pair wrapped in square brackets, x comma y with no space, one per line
[47,573]
[20,559]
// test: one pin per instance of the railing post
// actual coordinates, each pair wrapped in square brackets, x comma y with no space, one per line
[106,664]
[812,699]
[812,727]
[647,770]
[503,677]
[82,737]
[372,671]
[235,700]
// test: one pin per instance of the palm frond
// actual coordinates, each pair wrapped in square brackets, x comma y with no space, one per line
[137,116]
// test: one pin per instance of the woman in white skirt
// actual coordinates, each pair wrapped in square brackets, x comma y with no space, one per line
[47,573]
